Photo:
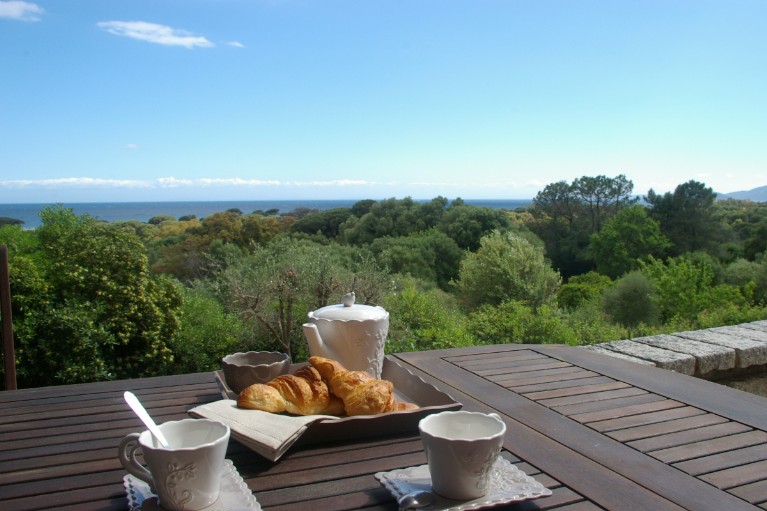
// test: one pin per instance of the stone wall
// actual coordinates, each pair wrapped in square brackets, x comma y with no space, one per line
[714,354]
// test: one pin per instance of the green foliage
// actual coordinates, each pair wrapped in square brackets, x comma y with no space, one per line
[4,220]
[506,267]
[276,285]
[207,332]
[565,215]
[83,295]
[686,288]
[626,238]
[157,220]
[581,289]
[424,319]
[86,306]
[631,301]
[327,223]
[467,225]
[393,218]
[183,247]
[686,216]
[429,255]
[515,322]
[602,197]
[750,277]
[592,326]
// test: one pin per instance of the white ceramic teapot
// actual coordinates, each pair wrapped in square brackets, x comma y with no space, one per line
[353,334]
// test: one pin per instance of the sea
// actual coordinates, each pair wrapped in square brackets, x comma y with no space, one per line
[143,211]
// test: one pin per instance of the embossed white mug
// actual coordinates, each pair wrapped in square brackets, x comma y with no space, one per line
[461,448]
[187,475]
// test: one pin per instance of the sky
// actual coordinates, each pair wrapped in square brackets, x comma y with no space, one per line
[133,100]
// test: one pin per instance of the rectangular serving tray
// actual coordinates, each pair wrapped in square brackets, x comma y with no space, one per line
[407,387]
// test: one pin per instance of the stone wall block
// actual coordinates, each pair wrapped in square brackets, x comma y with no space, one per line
[748,352]
[605,350]
[708,357]
[663,358]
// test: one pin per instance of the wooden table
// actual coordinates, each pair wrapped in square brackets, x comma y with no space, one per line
[600,433]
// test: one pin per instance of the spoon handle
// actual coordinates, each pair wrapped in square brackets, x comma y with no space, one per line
[137,407]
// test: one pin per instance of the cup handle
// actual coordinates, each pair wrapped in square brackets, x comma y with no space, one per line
[127,454]
[493,414]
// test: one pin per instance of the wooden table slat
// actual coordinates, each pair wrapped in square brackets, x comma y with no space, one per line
[574,391]
[688,437]
[707,447]
[724,460]
[645,419]
[664,428]
[756,493]
[737,476]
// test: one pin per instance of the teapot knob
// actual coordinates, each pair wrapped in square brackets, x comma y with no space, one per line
[348,299]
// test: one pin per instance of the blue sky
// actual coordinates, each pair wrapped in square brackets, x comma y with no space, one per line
[288,99]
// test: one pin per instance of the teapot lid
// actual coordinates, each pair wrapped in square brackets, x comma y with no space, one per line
[348,310]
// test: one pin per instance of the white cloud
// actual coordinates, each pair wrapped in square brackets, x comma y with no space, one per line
[335,182]
[170,182]
[236,44]
[18,10]
[69,182]
[173,182]
[131,146]
[154,33]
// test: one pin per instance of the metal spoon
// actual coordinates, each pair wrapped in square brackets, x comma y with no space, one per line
[137,407]
[415,499]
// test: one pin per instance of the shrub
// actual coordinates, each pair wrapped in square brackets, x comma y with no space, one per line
[515,322]
[506,267]
[207,333]
[581,289]
[424,319]
[632,300]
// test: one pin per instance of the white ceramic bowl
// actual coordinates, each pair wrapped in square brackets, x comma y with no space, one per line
[242,370]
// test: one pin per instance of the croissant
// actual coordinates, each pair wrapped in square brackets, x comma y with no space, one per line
[302,393]
[361,393]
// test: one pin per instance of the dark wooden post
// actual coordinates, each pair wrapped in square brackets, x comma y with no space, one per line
[5,313]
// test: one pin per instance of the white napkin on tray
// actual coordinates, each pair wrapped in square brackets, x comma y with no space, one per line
[269,434]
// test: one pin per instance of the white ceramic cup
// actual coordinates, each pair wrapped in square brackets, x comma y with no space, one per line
[187,475]
[461,448]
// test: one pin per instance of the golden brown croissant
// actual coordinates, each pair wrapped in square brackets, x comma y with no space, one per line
[302,393]
[361,393]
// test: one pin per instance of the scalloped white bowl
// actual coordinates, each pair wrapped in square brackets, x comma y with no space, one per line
[242,370]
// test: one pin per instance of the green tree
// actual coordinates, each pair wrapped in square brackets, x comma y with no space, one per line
[97,313]
[581,289]
[429,255]
[686,216]
[276,285]
[631,301]
[515,322]
[750,277]
[466,225]
[394,218]
[424,319]
[158,219]
[506,267]
[685,288]
[627,237]
[207,332]
[4,220]
[565,216]
[603,197]
[327,222]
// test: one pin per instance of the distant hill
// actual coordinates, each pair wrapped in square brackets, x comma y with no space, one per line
[756,195]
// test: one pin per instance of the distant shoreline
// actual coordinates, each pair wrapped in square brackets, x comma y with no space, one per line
[143,211]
